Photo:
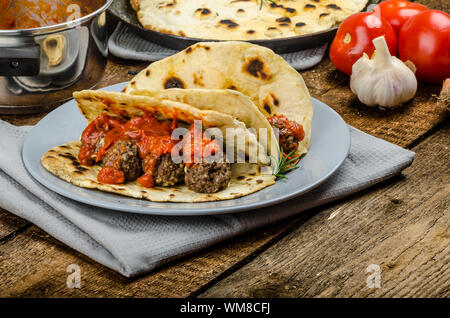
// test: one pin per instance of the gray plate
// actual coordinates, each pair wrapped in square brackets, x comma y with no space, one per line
[122,10]
[330,143]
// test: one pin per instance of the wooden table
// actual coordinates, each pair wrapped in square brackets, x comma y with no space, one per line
[401,225]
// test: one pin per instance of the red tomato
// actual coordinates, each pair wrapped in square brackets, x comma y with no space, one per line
[425,41]
[354,37]
[397,12]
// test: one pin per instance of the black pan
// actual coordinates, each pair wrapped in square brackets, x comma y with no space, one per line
[122,10]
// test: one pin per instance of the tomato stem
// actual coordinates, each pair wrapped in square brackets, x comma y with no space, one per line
[347,38]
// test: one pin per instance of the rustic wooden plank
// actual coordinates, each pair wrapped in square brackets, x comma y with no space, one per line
[41,260]
[201,268]
[403,228]
[10,224]
[401,126]
[443,5]
[33,264]
[116,71]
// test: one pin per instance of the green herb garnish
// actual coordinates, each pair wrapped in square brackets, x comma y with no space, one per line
[261,2]
[286,164]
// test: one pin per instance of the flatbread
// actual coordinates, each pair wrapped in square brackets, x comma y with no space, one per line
[63,161]
[243,19]
[93,103]
[270,82]
[227,101]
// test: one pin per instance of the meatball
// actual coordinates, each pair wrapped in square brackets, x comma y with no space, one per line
[208,177]
[288,142]
[124,156]
[166,172]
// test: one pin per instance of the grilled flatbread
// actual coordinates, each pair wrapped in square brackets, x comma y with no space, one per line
[243,19]
[270,82]
[246,178]
[230,102]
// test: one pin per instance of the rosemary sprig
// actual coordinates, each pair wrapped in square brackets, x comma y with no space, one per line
[261,2]
[286,164]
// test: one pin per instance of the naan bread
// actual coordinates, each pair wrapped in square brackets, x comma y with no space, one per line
[63,161]
[270,82]
[230,102]
[93,103]
[242,19]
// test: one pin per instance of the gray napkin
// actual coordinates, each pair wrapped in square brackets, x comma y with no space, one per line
[133,244]
[126,44]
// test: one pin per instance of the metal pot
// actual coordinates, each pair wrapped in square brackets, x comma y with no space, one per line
[40,68]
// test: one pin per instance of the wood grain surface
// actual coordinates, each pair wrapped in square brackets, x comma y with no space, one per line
[402,225]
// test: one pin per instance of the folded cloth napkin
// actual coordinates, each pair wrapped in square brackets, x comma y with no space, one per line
[133,244]
[126,44]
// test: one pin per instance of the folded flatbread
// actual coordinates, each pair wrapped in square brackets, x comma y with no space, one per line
[63,161]
[255,71]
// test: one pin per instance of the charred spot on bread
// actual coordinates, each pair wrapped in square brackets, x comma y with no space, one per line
[284,20]
[68,156]
[255,67]
[230,24]
[204,11]
[173,82]
[333,6]
[276,102]
[290,10]
[76,164]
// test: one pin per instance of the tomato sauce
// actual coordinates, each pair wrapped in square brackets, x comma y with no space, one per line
[290,127]
[153,139]
[111,175]
[29,14]
[97,128]
[149,165]
[198,145]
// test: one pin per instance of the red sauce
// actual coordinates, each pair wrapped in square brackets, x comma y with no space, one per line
[28,14]
[290,127]
[98,127]
[198,145]
[153,138]
[111,175]
[149,165]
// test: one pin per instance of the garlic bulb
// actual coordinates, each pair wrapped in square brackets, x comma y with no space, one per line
[384,80]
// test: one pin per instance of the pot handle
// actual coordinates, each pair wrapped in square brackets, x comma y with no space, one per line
[20,61]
